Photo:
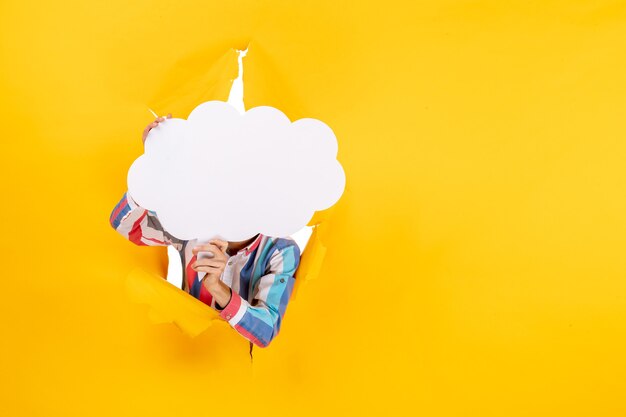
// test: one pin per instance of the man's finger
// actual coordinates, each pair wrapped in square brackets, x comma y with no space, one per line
[206,253]
[207,247]
[221,244]
[208,262]
[207,269]
[204,247]
[219,252]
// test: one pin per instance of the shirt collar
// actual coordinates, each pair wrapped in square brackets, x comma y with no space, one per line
[251,246]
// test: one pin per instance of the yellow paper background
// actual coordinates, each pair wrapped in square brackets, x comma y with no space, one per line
[474,265]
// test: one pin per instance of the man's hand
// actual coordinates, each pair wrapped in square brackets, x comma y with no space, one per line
[153,124]
[214,265]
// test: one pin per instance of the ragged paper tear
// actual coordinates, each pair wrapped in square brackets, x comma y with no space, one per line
[224,173]
[168,304]
[310,261]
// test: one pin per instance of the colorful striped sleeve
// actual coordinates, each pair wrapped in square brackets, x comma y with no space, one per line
[260,320]
[139,225]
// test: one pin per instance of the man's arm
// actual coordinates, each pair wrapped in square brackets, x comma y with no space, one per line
[139,225]
[221,293]
[260,321]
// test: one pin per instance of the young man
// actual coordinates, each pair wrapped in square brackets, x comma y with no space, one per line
[249,282]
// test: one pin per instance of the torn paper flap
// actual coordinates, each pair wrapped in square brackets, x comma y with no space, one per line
[168,304]
[311,261]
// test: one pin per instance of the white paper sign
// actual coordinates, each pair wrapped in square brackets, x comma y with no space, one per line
[224,173]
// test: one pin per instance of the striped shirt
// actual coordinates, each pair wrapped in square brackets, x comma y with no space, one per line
[260,276]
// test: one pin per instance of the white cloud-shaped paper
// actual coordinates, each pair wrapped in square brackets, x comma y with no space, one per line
[221,173]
